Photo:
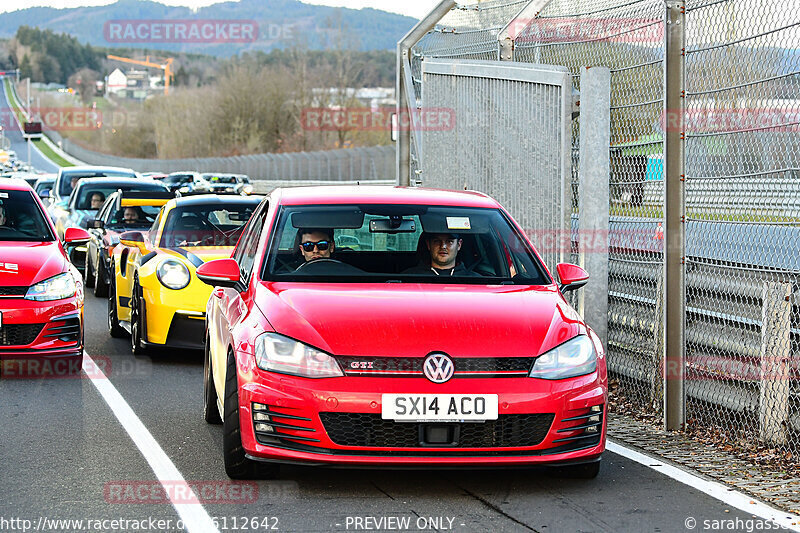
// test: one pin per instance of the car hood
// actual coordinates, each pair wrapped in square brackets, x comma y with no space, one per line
[413,320]
[197,255]
[28,263]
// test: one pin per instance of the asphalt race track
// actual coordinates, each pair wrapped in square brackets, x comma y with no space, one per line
[66,456]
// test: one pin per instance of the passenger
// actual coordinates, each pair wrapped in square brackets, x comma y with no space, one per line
[443,250]
[316,243]
[3,216]
[97,200]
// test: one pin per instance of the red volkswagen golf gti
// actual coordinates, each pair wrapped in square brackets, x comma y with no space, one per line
[41,293]
[397,326]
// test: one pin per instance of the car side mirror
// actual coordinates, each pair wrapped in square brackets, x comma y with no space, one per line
[97,224]
[571,277]
[134,239]
[219,273]
[45,194]
[76,236]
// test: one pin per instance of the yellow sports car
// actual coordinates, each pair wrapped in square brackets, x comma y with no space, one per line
[155,295]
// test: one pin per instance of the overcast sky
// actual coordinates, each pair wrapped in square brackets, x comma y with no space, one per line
[413,8]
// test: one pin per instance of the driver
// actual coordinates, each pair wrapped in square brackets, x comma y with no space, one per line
[3,216]
[131,215]
[316,243]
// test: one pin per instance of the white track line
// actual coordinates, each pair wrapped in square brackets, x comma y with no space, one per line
[194,516]
[721,492]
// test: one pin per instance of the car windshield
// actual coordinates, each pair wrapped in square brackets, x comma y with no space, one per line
[87,192]
[206,225]
[66,185]
[178,178]
[137,216]
[222,179]
[21,219]
[404,243]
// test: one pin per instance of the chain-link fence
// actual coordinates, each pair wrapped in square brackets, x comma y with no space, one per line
[739,127]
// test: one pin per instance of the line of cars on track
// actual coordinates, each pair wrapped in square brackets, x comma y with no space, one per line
[330,334]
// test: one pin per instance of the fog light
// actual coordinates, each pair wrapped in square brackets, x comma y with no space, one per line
[266,428]
[260,406]
[261,417]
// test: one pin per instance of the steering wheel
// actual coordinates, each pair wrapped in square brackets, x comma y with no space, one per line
[318,261]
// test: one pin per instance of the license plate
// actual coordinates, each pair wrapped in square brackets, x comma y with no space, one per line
[438,407]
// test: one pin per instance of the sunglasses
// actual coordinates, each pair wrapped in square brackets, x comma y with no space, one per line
[309,246]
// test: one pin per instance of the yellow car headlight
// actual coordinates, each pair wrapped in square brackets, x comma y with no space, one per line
[173,274]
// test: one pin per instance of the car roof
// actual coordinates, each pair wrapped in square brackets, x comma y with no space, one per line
[90,168]
[377,194]
[14,184]
[154,185]
[213,199]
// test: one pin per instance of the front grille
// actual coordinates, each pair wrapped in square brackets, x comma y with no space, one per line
[370,430]
[67,330]
[19,334]
[13,292]
[465,367]
[274,427]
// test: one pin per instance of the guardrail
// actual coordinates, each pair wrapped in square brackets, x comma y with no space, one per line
[352,164]
[743,359]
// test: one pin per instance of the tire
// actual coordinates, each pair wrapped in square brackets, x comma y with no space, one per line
[114,329]
[210,410]
[138,346]
[100,283]
[579,471]
[88,275]
[237,466]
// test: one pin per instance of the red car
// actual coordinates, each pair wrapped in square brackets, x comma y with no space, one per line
[397,326]
[41,293]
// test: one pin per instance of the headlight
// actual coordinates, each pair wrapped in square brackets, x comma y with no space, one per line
[575,357]
[55,288]
[277,353]
[173,274]
[247,189]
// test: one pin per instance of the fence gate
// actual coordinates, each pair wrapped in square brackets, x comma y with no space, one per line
[490,126]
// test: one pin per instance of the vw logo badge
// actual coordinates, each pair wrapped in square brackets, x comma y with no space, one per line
[438,367]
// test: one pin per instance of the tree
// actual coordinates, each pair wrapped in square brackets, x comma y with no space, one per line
[85,83]
[25,68]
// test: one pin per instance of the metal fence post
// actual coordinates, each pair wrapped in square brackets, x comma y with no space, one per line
[776,326]
[406,102]
[593,194]
[674,223]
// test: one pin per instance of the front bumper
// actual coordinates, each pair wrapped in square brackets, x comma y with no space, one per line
[338,421]
[41,329]
[176,318]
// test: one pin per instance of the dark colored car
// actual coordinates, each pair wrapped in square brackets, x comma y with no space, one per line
[106,228]
[67,176]
[229,183]
[187,183]
[85,201]
[44,183]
